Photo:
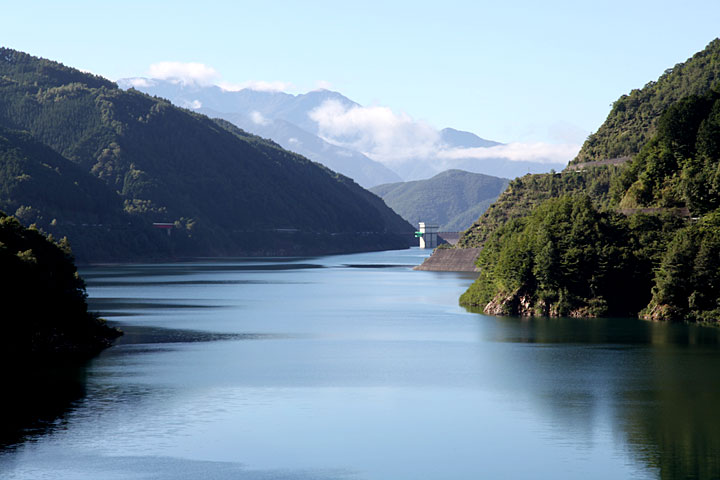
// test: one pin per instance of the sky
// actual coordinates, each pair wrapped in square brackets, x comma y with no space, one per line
[510,71]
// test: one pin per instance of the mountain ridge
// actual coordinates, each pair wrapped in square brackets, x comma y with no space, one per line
[451,199]
[256,111]
[226,190]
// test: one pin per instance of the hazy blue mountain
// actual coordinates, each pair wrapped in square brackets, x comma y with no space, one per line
[298,110]
[452,199]
[270,104]
[502,167]
[209,96]
[351,163]
[496,167]
[461,139]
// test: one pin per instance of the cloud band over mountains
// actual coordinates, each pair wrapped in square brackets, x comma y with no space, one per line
[392,138]
[539,152]
[199,74]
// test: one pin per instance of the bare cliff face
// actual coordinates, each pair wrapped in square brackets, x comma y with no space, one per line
[660,313]
[522,304]
[515,303]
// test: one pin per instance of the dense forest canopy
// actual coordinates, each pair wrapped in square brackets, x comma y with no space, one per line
[567,258]
[679,167]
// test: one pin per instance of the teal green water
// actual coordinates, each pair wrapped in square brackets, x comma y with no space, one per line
[358,367]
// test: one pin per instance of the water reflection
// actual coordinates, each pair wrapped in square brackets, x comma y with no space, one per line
[35,399]
[673,424]
[183,269]
[597,331]
[658,382]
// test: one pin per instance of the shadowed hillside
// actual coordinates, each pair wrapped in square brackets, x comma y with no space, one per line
[226,192]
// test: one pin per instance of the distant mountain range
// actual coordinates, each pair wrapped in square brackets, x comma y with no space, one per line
[82,158]
[278,116]
[288,120]
[453,199]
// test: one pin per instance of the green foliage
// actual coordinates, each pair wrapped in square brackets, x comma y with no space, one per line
[675,168]
[687,283]
[525,193]
[452,199]
[680,166]
[120,160]
[46,313]
[565,258]
[633,119]
[580,257]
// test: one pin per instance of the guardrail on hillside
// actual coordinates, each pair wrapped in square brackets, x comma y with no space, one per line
[598,163]
[678,212]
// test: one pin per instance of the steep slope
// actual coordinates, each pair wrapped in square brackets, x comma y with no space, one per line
[630,249]
[525,193]
[349,162]
[678,167]
[633,118]
[39,185]
[275,115]
[451,199]
[632,121]
[228,192]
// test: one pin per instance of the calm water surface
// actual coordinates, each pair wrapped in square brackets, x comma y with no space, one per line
[357,367]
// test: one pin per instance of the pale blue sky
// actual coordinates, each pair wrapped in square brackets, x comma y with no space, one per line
[506,70]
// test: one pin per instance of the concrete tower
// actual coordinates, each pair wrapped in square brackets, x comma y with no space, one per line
[428,235]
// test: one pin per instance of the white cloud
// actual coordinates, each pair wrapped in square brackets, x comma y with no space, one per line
[538,152]
[193,73]
[257,85]
[190,73]
[258,119]
[195,104]
[395,139]
[378,132]
[140,82]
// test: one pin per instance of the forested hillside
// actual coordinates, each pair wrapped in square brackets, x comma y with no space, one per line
[525,193]
[632,121]
[636,239]
[452,199]
[227,192]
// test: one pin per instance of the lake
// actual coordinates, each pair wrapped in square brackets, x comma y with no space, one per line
[357,367]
